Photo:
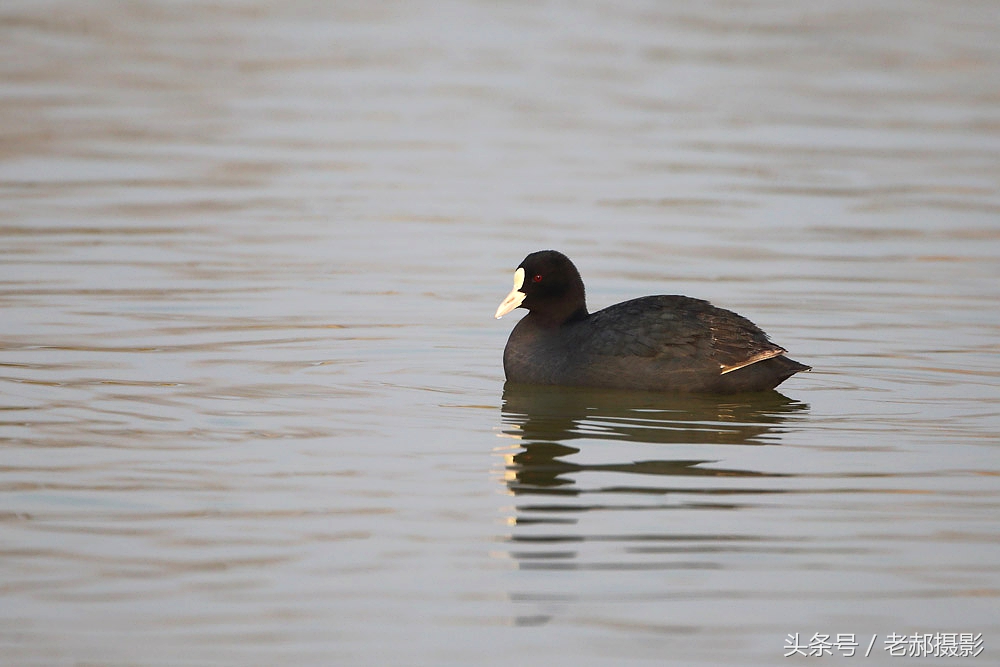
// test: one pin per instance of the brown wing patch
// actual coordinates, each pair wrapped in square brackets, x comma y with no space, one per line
[737,342]
[760,356]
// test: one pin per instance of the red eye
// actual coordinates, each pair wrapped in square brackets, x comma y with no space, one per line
[537,278]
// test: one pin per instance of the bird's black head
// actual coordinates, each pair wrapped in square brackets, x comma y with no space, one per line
[549,286]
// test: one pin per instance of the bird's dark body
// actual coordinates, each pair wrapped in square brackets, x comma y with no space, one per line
[653,343]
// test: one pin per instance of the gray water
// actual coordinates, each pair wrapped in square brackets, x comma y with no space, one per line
[252,400]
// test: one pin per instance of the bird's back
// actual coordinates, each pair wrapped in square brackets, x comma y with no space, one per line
[656,342]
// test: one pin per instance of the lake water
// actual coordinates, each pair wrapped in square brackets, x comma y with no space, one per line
[253,409]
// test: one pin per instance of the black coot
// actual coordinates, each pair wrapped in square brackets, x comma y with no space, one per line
[654,343]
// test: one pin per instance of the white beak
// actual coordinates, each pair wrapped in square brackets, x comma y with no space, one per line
[516,296]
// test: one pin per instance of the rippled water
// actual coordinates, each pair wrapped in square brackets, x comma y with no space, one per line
[252,401]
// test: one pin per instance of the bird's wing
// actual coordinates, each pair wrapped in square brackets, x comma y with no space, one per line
[676,327]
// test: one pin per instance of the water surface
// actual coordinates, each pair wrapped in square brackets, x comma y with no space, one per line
[253,409]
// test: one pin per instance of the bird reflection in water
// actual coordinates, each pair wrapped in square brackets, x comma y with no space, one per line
[545,420]
[635,515]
